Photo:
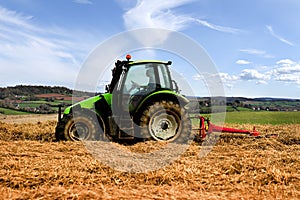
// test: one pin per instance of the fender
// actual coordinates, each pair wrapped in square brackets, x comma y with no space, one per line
[91,103]
[162,94]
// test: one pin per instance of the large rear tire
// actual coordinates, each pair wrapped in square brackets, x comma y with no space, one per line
[166,121]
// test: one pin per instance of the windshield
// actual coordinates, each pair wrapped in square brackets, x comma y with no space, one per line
[146,77]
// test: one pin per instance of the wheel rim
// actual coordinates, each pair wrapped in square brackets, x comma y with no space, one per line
[79,131]
[164,126]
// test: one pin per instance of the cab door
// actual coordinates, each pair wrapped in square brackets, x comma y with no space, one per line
[135,82]
[139,81]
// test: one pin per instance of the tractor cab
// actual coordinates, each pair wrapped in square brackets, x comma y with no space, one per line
[133,81]
[139,75]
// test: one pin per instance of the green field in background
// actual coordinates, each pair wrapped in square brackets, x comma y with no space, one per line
[261,117]
[7,111]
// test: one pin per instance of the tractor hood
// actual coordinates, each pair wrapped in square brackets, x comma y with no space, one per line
[89,103]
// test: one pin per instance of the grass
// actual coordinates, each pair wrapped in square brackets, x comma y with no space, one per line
[7,111]
[34,104]
[262,117]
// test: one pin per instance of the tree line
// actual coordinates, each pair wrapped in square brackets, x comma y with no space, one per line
[29,90]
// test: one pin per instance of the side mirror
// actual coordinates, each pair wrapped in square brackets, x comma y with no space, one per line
[176,89]
[107,88]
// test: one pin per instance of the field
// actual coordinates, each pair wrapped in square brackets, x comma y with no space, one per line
[34,166]
[261,117]
[8,111]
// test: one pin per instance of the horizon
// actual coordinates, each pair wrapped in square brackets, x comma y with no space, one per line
[248,97]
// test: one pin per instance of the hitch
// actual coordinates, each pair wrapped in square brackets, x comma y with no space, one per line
[206,127]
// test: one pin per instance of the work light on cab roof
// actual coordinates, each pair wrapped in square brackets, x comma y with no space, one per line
[128,57]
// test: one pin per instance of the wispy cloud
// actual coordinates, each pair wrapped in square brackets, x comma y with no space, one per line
[271,31]
[217,27]
[31,54]
[83,1]
[156,14]
[162,14]
[242,62]
[257,52]
[12,18]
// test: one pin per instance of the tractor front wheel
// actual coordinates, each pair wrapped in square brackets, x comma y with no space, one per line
[166,121]
[79,127]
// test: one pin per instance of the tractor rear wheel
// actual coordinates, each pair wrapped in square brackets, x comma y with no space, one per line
[79,127]
[166,121]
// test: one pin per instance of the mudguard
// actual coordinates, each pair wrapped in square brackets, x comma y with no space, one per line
[162,94]
[92,103]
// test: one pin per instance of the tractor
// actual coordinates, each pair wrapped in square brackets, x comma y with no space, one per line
[141,103]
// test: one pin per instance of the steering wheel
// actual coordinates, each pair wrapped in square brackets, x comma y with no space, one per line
[134,85]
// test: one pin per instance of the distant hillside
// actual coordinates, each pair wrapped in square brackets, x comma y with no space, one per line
[29,90]
[241,103]
[242,99]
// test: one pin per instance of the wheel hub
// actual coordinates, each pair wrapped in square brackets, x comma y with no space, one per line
[163,127]
[79,132]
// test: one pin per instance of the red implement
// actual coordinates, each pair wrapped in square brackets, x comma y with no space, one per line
[207,128]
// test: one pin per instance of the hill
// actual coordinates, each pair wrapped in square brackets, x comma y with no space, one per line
[24,99]
[32,90]
[243,103]
[28,90]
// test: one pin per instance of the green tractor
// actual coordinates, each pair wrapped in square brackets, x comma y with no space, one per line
[141,103]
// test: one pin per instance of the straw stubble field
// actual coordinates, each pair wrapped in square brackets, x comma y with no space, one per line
[34,166]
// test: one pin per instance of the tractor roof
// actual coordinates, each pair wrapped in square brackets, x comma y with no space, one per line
[148,61]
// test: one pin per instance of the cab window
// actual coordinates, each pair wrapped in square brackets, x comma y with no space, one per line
[139,78]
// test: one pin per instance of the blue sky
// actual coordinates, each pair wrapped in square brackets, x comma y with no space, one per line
[254,43]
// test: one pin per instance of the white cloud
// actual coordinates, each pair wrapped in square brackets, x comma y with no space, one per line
[257,52]
[286,71]
[225,77]
[198,77]
[217,27]
[228,80]
[261,82]
[289,78]
[161,14]
[242,62]
[286,66]
[83,1]
[31,54]
[155,14]
[285,62]
[12,18]
[280,38]
[252,74]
